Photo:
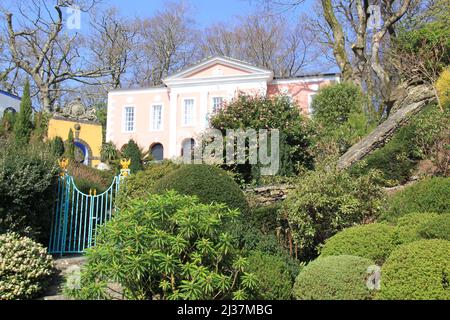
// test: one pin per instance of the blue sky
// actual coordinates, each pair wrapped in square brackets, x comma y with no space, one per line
[206,12]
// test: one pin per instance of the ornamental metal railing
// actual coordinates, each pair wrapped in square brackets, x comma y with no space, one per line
[77,216]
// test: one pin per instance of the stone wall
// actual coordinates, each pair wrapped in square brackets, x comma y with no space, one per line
[268,195]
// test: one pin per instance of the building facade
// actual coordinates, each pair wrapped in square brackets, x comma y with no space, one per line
[168,119]
[9,102]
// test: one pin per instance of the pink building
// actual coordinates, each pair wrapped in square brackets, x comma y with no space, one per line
[168,119]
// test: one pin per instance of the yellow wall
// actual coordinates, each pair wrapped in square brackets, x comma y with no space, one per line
[90,133]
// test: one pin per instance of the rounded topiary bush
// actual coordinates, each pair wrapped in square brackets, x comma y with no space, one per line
[208,183]
[428,195]
[372,241]
[407,227]
[25,267]
[334,278]
[140,185]
[274,279]
[436,228]
[417,271]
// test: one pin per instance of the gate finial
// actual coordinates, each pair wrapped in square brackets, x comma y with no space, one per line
[63,164]
[125,164]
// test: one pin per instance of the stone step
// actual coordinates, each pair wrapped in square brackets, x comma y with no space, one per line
[62,265]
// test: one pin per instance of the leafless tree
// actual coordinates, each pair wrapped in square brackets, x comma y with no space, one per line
[265,40]
[358,46]
[8,71]
[166,44]
[39,46]
[112,41]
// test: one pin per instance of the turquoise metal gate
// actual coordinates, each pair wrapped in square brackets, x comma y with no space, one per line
[77,216]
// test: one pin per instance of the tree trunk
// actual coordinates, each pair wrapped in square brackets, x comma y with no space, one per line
[414,100]
[339,41]
[44,97]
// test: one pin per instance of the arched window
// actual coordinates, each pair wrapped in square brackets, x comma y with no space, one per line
[10,109]
[187,149]
[157,151]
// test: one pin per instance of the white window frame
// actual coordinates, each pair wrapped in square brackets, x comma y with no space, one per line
[212,103]
[183,113]
[124,119]
[152,106]
[310,99]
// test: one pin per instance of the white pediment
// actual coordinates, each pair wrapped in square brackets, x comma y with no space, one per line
[218,69]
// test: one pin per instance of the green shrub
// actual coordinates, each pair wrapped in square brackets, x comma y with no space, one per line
[208,183]
[140,185]
[23,125]
[251,239]
[428,195]
[109,152]
[338,113]
[431,127]
[421,138]
[264,217]
[417,271]
[7,123]
[25,267]
[70,146]
[262,112]
[87,178]
[274,280]
[408,226]
[395,159]
[371,241]
[334,278]
[328,200]
[167,247]
[57,146]
[132,151]
[27,176]
[436,228]
[333,105]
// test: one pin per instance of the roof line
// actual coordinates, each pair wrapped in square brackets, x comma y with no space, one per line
[10,95]
[309,75]
[139,89]
[211,58]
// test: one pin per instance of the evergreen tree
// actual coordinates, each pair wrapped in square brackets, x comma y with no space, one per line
[23,124]
[7,123]
[132,151]
[57,146]
[70,146]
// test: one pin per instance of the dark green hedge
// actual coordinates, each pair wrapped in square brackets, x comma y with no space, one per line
[140,185]
[265,217]
[27,190]
[274,279]
[208,183]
